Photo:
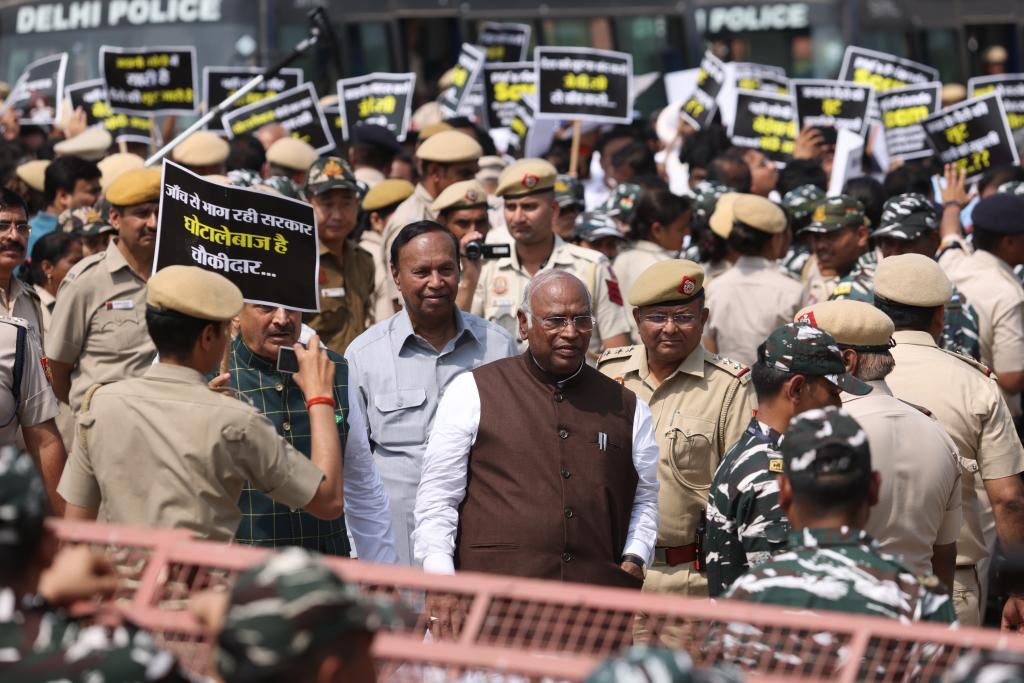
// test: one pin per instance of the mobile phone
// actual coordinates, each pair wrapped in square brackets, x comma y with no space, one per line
[287,361]
[828,134]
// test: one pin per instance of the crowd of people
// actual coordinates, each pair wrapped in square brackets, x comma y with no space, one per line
[674,367]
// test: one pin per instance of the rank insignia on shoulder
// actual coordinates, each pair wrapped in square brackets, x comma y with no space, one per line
[842,289]
[775,465]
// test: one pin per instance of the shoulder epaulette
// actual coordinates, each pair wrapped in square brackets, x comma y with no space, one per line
[84,265]
[917,407]
[737,370]
[617,352]
[14,320]
[590,255]
[977,365]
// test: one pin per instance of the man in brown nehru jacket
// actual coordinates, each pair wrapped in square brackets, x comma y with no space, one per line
[537,465]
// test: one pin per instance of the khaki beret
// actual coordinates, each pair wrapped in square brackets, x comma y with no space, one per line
[995,55]
[202,148]
[135,187]
[432,129]
[293,154]
[674,280]
[912,280]
[92,145]
[759,213]
[722,218]
[386,193]
[195,292]
[426,115]
[34,174]
[114,165]
[953,93]
[526,177]
[449,147]
[851,323]
[462,195]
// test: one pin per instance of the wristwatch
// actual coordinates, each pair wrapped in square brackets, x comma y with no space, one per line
[635,559]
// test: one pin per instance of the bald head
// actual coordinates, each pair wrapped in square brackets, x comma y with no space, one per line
[539,287]
[271,133]
[556,320]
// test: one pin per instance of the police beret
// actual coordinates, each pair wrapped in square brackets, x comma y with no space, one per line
[953,93]
[674,280]
[722,218]
[386,193]
[995,55]
[426,115]
[202,148]
[450,147]
[462,195]
[114,165]
[1002,214]
[526,177]
[432,129]
[378,136]
[91,144]
[912,280]
[195,292]
[135,187]
[851,323]
[490,168]
[34,174]
[292,153]
[759,213]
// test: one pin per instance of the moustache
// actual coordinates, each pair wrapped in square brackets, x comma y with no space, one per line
[12,246]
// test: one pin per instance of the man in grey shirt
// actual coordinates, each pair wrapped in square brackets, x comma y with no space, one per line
[402,365]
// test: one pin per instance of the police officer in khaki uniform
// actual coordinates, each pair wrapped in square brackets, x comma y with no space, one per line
[203,153]
[97,330]
[378,205]
[346,271]
[528,189]
[963,395]
[16,298]
[463,209]
[292,158]
[164,450]
[839,236]
[701,404]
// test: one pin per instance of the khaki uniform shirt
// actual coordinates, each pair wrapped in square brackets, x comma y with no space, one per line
[37,403]
[747,303]
[163,450]
[99,323]
[966,400]
[368,176]
[817,287]
[46,303]
[714,270]
[346,291]
[920,500]
[629,265]
[699,412]
[23,303]
[499,292]
[998,298]
[415,208]
[381,307]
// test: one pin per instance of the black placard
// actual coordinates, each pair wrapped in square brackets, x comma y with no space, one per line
[221,82]
[764,122]
[584,84]
[91,96]
[379,98]
[152,80]
[902,110]
[883,71]
[464,74]
[771,79]
[134,128]
[839,104]
[39,91]
[521,124]
[1010,88]
[266,244]
[505,42]
[701,105]
[335,122]
[298,110]
[974,135]
[505,84]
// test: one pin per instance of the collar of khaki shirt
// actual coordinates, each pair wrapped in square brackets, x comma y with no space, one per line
[115,260]
[753,263]
[691,365]
[8,297]
[179,374]
[878,388]
[989,260]
[653,248]
[401,331]
[559,255]
[914,338]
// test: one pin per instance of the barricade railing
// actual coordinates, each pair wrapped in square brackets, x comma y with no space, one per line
[524,629]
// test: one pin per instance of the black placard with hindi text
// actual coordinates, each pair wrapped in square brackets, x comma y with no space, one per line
[836,104]
[750,76]
[584,84]
[383,99]
[701,105]
[38,93]
[91,97]
[765,122]
[505,84]
[297,110]
[155,80]
[883,71]
[1011,90]
[902,110]
[505,42]
[221,82]
[464,74]
[974,135]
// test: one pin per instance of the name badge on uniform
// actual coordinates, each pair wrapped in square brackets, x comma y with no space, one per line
[120,305]
[333,292]
[602,441]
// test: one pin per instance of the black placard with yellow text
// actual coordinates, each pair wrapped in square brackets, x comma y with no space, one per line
[505,42]
[584,84]
[702,103]
[152,80]
[974,135]
[298,110]
[902,110]
[505,84]
[464,74]
[764,122]
[883,71]
[1011,90]
[221,82]
[382,99]
[836,104]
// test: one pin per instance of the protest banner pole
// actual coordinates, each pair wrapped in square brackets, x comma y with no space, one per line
[574,150]
[319,27]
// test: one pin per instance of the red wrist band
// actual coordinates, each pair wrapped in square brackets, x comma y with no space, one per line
[318,400]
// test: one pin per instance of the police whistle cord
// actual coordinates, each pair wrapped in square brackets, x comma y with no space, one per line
[318,29]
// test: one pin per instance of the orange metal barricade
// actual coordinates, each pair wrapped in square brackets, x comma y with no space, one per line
[524,629]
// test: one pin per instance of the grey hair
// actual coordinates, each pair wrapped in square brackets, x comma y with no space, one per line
[542,278]
[872,367]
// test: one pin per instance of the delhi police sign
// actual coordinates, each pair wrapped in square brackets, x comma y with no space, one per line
[584,84]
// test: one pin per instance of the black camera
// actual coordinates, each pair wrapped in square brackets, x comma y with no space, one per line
[477,250]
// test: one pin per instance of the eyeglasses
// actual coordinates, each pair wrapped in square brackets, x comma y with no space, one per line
[678,319]
[22,228]
[582,323]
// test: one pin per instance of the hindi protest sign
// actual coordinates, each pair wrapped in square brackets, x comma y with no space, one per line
[335,122]
[378,98]
[505,42]
[298,110]
[847,162]
[38,93]
[505,84]
[883,71]
[1010,88]
[903,110]
[702,102]
[91,96]
[584,84]
[531,136]
[765,122]
[150,80]
[133,128]
[749,76]
[837,104]
[221,82]
[464,74]
[973,134]
[264,243]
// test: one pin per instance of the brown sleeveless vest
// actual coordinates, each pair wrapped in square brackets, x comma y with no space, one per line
[543,499]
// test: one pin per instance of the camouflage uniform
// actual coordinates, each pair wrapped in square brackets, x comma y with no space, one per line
[282,185]
[40,643]
[569,193]
[658,665]
[745,524]
[799,203]
[621,203]
[243,177]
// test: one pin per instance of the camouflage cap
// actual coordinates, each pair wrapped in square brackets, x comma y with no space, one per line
[568,191]
[85,222]
[288,608]
[243,177]
[804,455]
[658,665]
[801,201]
[330,173]
[22,498]
[1012,187]
[621,202]
[283,186]
[800,349]
[836,213]
[907,217]
[594,225]
[705,199]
